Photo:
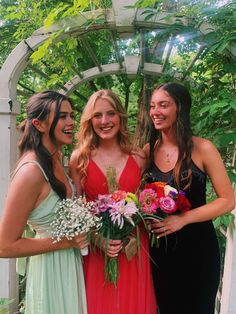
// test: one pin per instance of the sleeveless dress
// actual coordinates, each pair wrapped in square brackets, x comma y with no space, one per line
[134,292]
[186,267]
[55,281]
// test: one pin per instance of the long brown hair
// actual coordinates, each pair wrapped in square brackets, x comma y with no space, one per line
[183,131]
[39,107]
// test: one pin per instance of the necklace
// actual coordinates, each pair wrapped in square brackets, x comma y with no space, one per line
[169,156]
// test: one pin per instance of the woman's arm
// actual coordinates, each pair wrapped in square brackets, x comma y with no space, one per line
[73,172]
[141,158]
[214,167]
[27,189]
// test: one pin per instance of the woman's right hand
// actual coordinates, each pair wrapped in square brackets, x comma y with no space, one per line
[110,247]
[114,247]
[80,241]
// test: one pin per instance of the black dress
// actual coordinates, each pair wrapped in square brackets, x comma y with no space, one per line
[186,266]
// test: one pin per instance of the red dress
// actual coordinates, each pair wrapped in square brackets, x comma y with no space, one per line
[134,293]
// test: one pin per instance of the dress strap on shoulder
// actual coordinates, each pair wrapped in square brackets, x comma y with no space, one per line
[32,161]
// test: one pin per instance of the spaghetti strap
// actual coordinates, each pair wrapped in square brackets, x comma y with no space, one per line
[32,161]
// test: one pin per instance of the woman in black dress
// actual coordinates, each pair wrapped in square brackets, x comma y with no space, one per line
[186,265]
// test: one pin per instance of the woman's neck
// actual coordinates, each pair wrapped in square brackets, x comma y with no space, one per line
[168,137]
[110,145]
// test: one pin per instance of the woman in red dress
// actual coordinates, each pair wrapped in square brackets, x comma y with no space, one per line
[103,142]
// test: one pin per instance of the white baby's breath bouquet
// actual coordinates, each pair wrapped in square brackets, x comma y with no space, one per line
[74,216]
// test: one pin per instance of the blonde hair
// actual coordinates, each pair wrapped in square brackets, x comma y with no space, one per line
[87,139]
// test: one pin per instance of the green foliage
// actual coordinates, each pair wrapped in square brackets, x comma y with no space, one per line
[221,224]
[211,79]
[224,221]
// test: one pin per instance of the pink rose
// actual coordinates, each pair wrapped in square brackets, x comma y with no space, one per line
[119,195]
[167,205]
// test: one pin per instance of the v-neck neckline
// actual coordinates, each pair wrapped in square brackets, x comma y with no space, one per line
[103,174]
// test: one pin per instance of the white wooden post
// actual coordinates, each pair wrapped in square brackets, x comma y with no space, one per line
[8,156]
[228,295]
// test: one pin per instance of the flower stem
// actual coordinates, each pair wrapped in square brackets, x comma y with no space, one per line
[111,269]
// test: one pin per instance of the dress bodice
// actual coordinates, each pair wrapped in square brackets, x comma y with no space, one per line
[129,179]
[42,215]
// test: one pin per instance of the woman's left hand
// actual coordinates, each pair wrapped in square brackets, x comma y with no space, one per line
[168,225]
[80,241]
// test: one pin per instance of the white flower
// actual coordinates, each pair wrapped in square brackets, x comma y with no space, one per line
[169,190]
[74,216]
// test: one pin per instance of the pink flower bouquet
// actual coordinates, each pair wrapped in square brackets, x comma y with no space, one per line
[119,215]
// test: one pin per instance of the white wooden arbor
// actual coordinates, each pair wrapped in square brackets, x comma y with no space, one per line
[117,19]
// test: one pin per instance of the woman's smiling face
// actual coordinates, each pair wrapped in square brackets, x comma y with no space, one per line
[105,119]
[163,110]
[63,132]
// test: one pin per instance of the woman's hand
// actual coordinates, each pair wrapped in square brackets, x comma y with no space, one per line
[80,241]
[168,225]
[110,247]
[114,247]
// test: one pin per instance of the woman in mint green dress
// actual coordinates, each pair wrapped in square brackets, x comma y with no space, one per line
[55,282]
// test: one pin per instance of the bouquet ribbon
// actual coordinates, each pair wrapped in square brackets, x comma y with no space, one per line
[130,248]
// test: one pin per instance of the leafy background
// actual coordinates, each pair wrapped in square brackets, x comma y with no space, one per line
[211,78]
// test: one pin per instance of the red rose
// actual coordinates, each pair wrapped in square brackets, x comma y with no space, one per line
[158,187]
[182,203]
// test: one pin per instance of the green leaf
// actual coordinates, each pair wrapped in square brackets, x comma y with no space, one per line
[225,220]
[233,104]
[225,139]
[41,51]
[54,14]
[217,222]
[149,16]
[232,176]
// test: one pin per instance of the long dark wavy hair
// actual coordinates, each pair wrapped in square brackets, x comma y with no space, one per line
[182,131]
[39,107]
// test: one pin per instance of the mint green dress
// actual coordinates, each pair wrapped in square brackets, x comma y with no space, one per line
[55,280]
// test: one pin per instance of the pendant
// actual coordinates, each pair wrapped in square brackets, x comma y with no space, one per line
[168,158]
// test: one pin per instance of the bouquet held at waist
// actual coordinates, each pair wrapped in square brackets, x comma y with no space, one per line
[116,216]
[74,216]
[158,200]
[111,216]
[119,216]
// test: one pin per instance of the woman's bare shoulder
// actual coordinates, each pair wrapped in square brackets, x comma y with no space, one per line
[140,158]
[203,145]
[74,156]
[139,152]
[146,149]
